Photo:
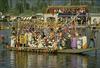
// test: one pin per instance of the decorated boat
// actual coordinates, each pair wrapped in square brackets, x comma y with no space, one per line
[30,49]
[50,50]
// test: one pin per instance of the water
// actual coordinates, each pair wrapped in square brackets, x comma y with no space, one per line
[12,59]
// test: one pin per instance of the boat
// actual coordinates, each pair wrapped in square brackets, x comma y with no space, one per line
[50,50]
[77,51]
[32,49]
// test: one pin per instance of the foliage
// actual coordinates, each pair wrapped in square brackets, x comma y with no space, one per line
[40,6]
[4,6]
[19,7]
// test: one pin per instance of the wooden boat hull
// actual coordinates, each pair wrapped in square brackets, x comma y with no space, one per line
[48,50]
[30,49]
[77,51]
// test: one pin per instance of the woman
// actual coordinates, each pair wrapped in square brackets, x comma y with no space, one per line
[73,42]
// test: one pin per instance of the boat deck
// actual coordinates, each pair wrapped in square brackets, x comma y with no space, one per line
[77,50]
[50,50]
[30,49]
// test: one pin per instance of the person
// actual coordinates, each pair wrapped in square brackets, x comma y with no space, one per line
[73,42]
[13,37]
[68,41]
[14,32]
[23,40]
[29,38]
[79,42]
[55,45]
[92,41]
[40,41]
[52,34]
[13,41]
[84,45]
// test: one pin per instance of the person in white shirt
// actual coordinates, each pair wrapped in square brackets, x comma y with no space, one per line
[13,41]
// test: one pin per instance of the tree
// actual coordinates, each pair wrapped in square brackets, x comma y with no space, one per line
[10,3]
[41,5]
[49,2]
[75,2]
[27,6]
[4,5]
[19,7]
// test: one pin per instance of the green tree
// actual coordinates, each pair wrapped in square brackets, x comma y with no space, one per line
[49,2]
[19,7]
[4,6]
[41,5]
[10,3]
[75,2]
[27,6]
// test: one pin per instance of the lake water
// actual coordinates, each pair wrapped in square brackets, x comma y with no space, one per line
[12,59]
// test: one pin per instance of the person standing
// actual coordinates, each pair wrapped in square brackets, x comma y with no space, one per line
[13,41]
[29,38]
[73,42]
[84,45]
[92,41]
[13,38]
[79,42]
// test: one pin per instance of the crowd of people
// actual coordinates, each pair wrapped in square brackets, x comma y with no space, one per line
[68,13]
[48,37]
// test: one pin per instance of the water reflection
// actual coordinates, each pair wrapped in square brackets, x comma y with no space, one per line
[31,60]
[12,58]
